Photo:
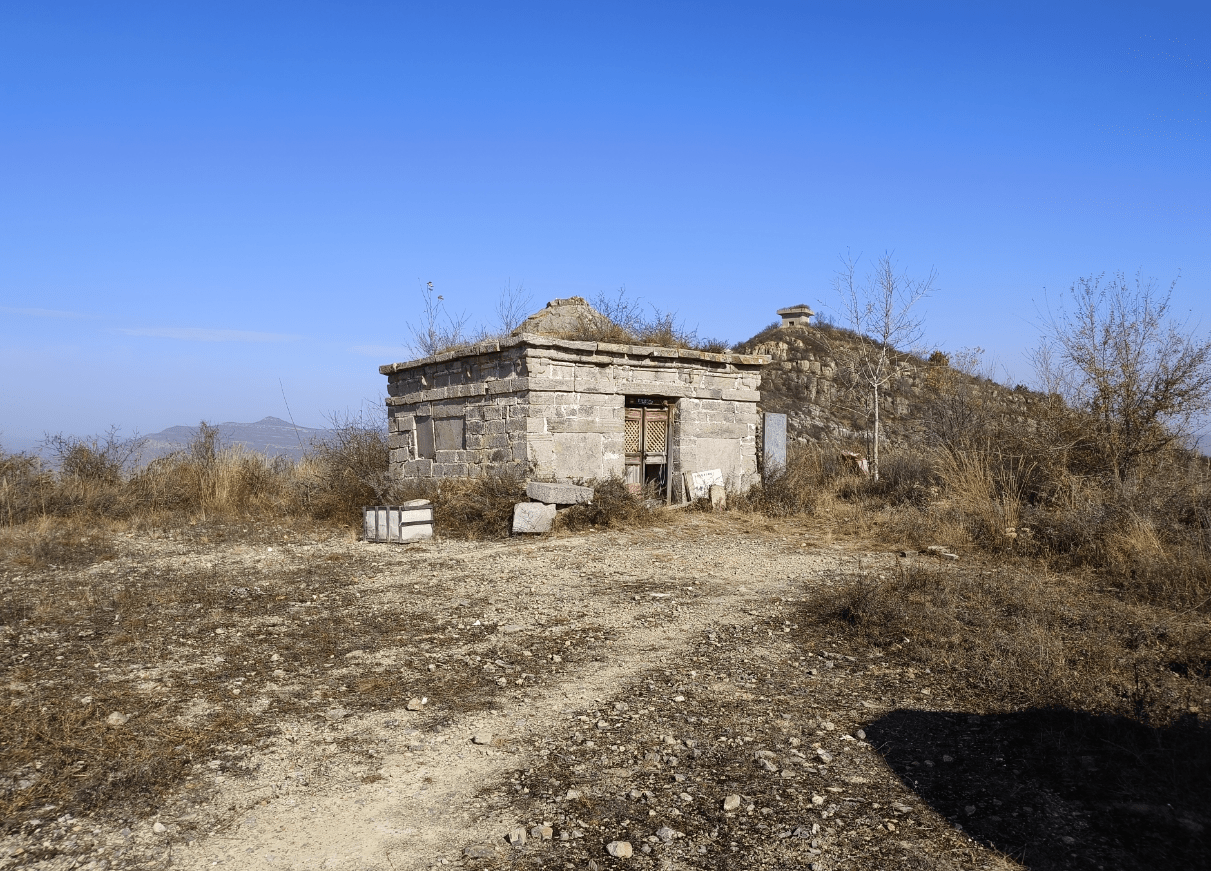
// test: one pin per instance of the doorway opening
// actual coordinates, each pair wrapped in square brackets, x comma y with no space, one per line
[646,436]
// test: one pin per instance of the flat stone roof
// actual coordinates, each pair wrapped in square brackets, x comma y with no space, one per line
[586,349]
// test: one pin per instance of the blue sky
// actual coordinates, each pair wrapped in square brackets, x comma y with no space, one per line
[203,205]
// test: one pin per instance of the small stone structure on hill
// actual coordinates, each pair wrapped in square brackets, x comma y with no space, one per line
[545,404]
[796,316]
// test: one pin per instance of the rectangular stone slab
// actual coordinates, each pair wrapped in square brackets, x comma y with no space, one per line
[773,444]
[558,494]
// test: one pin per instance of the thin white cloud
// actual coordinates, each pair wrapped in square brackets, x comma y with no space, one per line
[389,353]
[44,313]
[198,334]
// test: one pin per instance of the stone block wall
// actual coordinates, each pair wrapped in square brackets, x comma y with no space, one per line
[552,408]
[806,381]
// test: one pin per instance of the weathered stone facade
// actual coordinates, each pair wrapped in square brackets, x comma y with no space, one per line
[553,408]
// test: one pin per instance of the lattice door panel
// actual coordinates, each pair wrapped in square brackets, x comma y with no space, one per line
[655,432]
[633,431]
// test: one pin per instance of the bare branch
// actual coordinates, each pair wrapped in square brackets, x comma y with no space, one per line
[1114,352]
[438,330]
[512,307]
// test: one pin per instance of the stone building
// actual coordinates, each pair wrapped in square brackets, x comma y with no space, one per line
[547,406]
[796,316]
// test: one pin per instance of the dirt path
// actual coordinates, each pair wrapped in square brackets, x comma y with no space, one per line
[292,699]
[660,593]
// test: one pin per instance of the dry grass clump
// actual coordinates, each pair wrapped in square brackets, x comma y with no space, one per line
[1018,638]
[476,508]
[624,320]
[99,479]
[614,506]
[1149,539]
[52,543]
[795,489]
[24,486]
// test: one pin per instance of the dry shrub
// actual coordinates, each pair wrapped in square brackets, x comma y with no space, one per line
[477,508]
[232,483]
[905,477]
[794,489]
[614,505]
[348,471]
[24,487]
[101,459]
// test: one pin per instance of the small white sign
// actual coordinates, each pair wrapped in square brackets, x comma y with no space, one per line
[698,484]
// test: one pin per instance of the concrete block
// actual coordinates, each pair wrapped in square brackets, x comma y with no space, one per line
[532,518]
[559,494]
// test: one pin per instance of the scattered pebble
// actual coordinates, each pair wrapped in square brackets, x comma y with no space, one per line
[619,849]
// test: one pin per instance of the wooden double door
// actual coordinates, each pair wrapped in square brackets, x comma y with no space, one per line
[647,435]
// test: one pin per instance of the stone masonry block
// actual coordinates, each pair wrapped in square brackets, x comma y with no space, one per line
[532,518]
[559,494]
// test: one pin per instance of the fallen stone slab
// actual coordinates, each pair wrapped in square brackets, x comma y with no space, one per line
[532,518]
[559,494]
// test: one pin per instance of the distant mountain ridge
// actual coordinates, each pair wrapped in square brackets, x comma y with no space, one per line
[270,436]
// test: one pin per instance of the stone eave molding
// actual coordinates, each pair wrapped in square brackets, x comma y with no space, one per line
[580,351]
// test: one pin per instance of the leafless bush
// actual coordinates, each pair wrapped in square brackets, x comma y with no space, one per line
[477,508]
[348,469]
[438,330]
[512,307]
[1115,353]
[614,505]
[103,459]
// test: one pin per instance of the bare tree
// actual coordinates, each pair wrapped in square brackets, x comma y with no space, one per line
[438,330]
[879,309]
[1112,350]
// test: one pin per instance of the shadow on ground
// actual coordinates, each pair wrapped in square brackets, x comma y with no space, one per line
[1056,788]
